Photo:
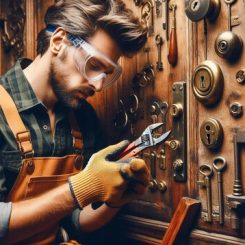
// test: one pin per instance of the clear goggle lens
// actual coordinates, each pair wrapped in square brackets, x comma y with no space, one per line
[93,64]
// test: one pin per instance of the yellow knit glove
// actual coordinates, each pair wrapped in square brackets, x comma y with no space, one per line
[138,175]
[101,180]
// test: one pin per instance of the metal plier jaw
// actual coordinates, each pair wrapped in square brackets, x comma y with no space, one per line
[146,140]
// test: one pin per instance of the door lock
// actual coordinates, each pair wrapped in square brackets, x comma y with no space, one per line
[178,143]
[208,82]
[211,133]
[199,9]
[176,110]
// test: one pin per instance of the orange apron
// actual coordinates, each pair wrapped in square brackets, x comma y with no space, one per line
[39,174]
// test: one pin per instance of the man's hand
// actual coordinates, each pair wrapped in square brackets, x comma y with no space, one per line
[138,176]
[101,180]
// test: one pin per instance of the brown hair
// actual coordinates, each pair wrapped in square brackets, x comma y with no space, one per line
[84,17]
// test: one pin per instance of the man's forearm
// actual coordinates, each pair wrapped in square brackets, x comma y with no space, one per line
[32,216]
[91,220]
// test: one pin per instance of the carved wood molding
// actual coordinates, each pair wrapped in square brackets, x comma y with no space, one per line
[149,231]
[13,28]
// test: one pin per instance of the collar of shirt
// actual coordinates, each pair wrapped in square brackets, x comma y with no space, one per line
[19,87]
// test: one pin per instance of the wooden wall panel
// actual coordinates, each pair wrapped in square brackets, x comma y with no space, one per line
[146,219]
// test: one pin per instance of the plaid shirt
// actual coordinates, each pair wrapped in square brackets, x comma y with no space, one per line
[35,117]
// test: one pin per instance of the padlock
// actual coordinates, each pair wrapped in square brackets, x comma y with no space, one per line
[199,9]
[208,83]
[229,46]
[211,133]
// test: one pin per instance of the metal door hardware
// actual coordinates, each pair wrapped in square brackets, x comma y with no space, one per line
[236,109]
[173,49]
[133,103]
[176,110]
[207,172]
[164,109]
[208,82]
[229,3]
[159,43]
[179,127]
[240,76]
[165,19]
[162,186]
[219,164]
[211,133]
[158,7]
[121,117]
[236,200]
[229,45]
[161,158]
[147,15]
[154,109]
[153,182]
[147,75]
[199,9]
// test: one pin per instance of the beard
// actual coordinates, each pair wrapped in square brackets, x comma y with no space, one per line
[68,98]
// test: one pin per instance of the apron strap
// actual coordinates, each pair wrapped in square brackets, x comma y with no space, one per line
[76,134]
[21,134]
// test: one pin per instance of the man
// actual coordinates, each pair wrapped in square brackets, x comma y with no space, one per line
[48,130]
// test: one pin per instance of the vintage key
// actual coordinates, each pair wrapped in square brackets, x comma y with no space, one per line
[159,43]
[207,171]
[158,7]
[229,3]
[219,165]
[165,18]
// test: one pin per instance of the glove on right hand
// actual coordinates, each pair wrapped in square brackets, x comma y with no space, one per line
[100,180]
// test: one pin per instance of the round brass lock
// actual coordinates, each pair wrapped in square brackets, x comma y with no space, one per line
[211,133]
[229,46]
[199,9]
[208,83]
[176,110]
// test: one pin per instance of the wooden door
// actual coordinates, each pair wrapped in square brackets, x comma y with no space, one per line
[145,220]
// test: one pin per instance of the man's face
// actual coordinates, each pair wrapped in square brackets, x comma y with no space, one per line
[69,82]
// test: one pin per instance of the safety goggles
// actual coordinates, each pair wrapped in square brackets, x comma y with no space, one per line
[93,64]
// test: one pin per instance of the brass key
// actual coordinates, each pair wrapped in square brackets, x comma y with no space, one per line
[159,43]
[219,165]
[158,7]
[165,19]
[229,3]
[207,171]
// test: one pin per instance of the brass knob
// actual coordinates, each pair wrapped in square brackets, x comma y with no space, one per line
[178,165]
[162,186]
[153,186]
